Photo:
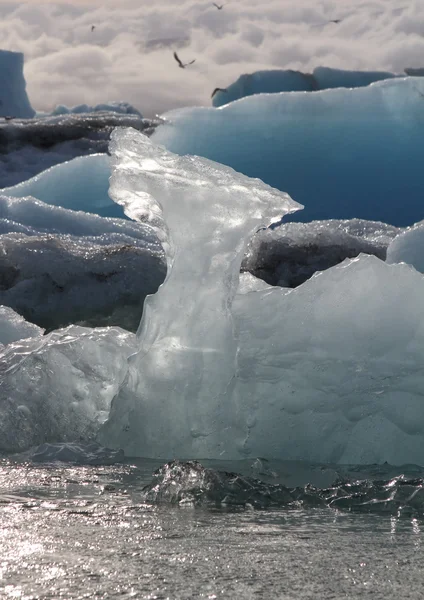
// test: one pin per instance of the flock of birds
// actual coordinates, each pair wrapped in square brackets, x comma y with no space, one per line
[183,65]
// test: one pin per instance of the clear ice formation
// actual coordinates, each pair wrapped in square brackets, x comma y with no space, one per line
[175,399]
[343,153]
[59,387]
[330,371]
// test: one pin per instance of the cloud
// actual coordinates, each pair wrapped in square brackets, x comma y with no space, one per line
[128,56]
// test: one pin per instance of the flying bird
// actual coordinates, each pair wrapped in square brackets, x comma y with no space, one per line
[337,21]
[93,27]
[218,90]
[218,6]
[181,64]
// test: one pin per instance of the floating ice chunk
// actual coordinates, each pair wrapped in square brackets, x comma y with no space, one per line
[331,371]
[77,453]
[408,247]
[177,384]
[333,150]
[13,327]
[58,388]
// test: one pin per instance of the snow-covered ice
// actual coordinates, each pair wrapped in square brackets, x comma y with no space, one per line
[59,266]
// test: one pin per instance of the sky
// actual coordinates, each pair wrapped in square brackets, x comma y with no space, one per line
[128,56]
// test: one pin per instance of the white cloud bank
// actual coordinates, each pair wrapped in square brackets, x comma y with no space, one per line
[128,56]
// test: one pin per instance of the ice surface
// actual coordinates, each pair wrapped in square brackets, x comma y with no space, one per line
[13,327]
[291,253]
[408,247]
[343,153]
[13,97]
[79,184]
[59,387]
[279,80]
[330,371]
[176,388]
[30,146]
[60,267]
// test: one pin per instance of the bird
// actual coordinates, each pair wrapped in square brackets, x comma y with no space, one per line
[181,64]
[337,21]
[218,90]
[218,6]
[93,27]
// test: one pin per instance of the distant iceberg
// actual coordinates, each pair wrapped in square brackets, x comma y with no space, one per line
[123,108]
[13,97]
[280,80]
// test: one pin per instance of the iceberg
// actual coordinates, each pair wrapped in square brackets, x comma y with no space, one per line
[330,371]
[13,97]
[280,80]
[343,153]
[178,382]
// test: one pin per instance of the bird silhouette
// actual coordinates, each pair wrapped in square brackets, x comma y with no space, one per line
[218,90]
[218,6]
[337,21]
[93,27]
[180,63]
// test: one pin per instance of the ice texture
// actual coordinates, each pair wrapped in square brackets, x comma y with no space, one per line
[280,80]
[123,108]
[59,387]
[343,153]
[76,453]
[191,484]
[291,253]
[177,385]
[60,266]
[13,327]
[29,146]
[330,371]
[79,184]
[408,247]
[13,97]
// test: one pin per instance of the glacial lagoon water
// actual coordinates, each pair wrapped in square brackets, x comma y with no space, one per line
[94,532]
